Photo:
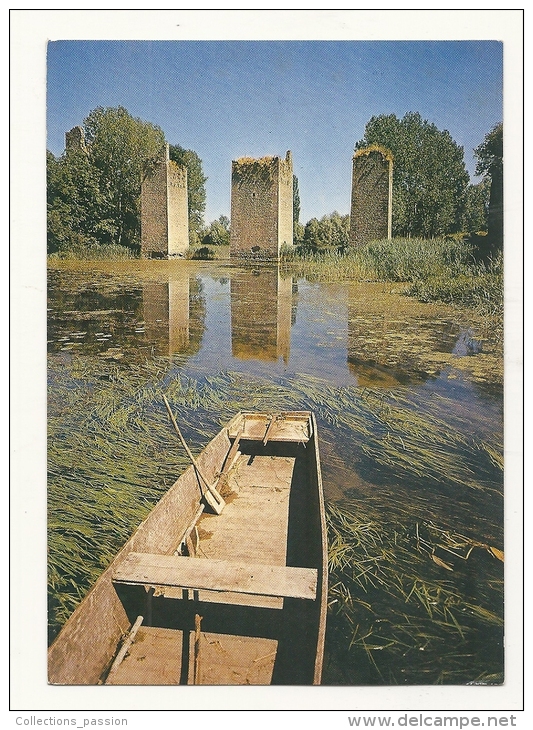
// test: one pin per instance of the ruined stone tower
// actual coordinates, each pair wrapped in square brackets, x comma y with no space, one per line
[164,210]
[261,206]
[371,210]
[75,139]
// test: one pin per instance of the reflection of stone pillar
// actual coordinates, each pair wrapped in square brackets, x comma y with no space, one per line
[178,314]
[284,323]
[155,315]
[261,310]
[368,319]
[261,206]
[166,315]
[164,210]
[371,210]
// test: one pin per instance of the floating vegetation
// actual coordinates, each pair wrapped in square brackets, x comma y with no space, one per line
[440,269]
[402,614]
[111,455]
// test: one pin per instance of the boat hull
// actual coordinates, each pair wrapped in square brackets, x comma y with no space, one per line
[233,598]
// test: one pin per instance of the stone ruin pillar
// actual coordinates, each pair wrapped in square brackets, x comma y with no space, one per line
[75,140]
[164,210]
[371,209]
[261,206]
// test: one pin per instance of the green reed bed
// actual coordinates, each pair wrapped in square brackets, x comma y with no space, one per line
[112,454]
[392,435]
[410,602]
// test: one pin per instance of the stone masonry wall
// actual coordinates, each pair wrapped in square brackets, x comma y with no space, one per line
[261,206]
[178,209]
[371,208]
[285,206]
[164,211]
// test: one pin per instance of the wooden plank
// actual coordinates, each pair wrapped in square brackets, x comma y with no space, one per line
[269,429]
[231,454]
[221,482]
[125,647]
[235,660]
[217,575]
[293,427]
[154,658]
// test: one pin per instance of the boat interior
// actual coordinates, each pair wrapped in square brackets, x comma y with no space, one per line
[238,600]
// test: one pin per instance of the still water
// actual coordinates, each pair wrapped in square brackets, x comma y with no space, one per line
[321,345]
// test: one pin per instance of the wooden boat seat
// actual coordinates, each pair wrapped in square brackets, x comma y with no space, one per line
[217,575]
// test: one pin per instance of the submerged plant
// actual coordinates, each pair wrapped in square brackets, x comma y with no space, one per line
[404,615]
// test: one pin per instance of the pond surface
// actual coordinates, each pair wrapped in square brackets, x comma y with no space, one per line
[408,398]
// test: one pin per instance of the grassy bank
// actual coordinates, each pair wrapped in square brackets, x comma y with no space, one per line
[94,252]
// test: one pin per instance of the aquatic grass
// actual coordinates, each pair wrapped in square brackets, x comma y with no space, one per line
[93,252]
[410,609]
[112,455]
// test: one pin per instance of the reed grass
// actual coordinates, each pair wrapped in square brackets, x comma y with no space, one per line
[94,252]
[414,621]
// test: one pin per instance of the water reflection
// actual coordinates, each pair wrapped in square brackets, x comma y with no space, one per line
[392,453]
[166,315]
[261,314]
[114,317]
[244,319]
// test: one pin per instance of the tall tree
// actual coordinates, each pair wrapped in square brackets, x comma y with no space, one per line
[120,148]
[217,233]
[475,216]
[195,184]
[74,203]
[429,174]
[295,201]
[489,157]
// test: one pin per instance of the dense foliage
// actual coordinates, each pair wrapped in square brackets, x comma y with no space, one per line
[489,154]
[429,175]
[93,191]
[295,201]
[476,210]
[331,231]
[217,233]
[489,157]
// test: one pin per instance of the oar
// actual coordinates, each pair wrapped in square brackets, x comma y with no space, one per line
[211,496]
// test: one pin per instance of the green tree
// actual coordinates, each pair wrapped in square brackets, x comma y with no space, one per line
[331,231]
[295,202]
[121,148]
[217,234]
[195,185]
[476,210]
[489,156]
[298,234]
[74,203]
[429,174]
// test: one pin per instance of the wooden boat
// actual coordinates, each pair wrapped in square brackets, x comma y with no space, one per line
[196,597]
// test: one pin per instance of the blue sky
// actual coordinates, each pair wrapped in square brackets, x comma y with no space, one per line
[228,99]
